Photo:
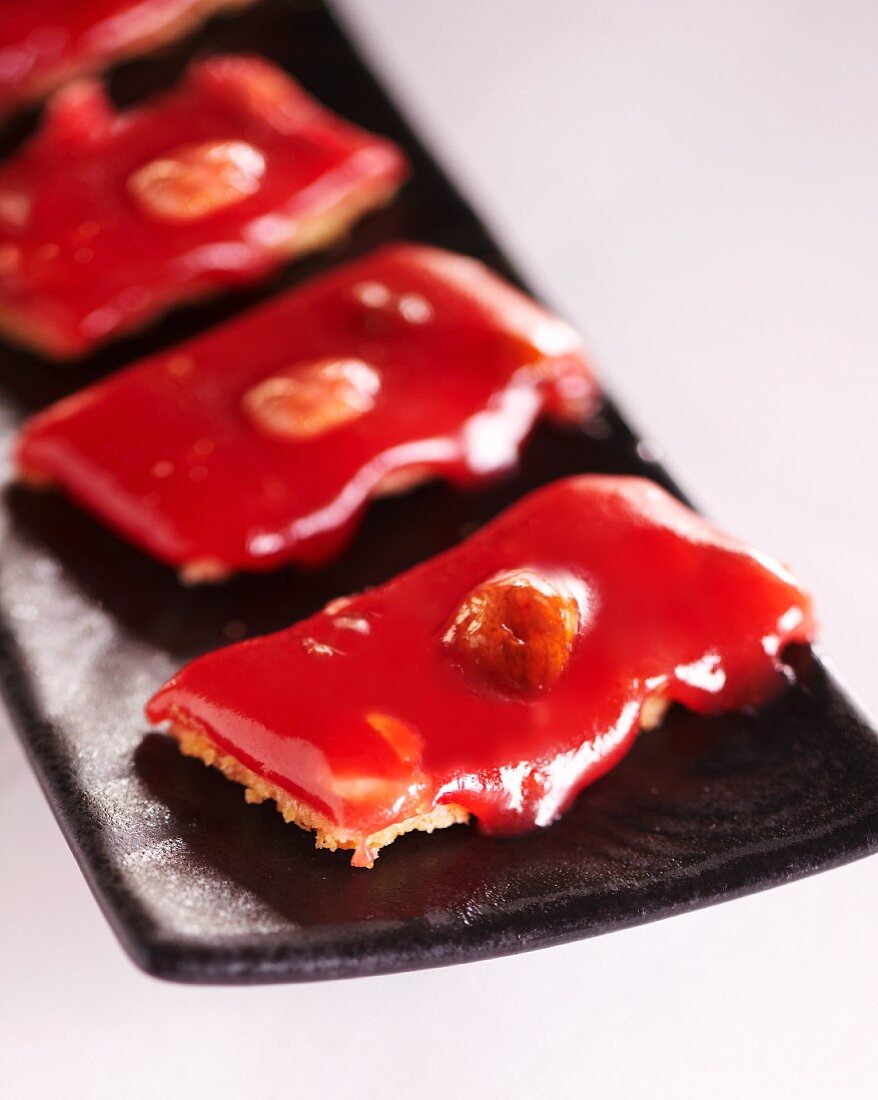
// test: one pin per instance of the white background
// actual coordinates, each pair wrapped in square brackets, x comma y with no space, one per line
[696,185]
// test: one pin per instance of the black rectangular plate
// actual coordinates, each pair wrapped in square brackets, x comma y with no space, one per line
[200,887]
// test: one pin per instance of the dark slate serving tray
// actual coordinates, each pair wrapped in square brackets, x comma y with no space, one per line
[200,887]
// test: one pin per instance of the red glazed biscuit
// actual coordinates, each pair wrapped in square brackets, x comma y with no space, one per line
[498,679]
[44,43]
[260,442]
[108,219]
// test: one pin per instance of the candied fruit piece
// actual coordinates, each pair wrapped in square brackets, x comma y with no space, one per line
[517,629]
[195,181]
[309,399]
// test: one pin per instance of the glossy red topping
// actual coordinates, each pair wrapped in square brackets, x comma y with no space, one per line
[107,219]
[511,671]
[194,181]
[516,630]
[45,42]
[260,442]
[308,399]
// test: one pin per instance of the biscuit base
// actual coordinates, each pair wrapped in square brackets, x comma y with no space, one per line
[194,742]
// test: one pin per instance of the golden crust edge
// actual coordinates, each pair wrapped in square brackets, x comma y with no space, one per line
[195,743]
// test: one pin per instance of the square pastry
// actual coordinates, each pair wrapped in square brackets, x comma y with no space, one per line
[108,219]
[44,43]
[260,442]
[498,679]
